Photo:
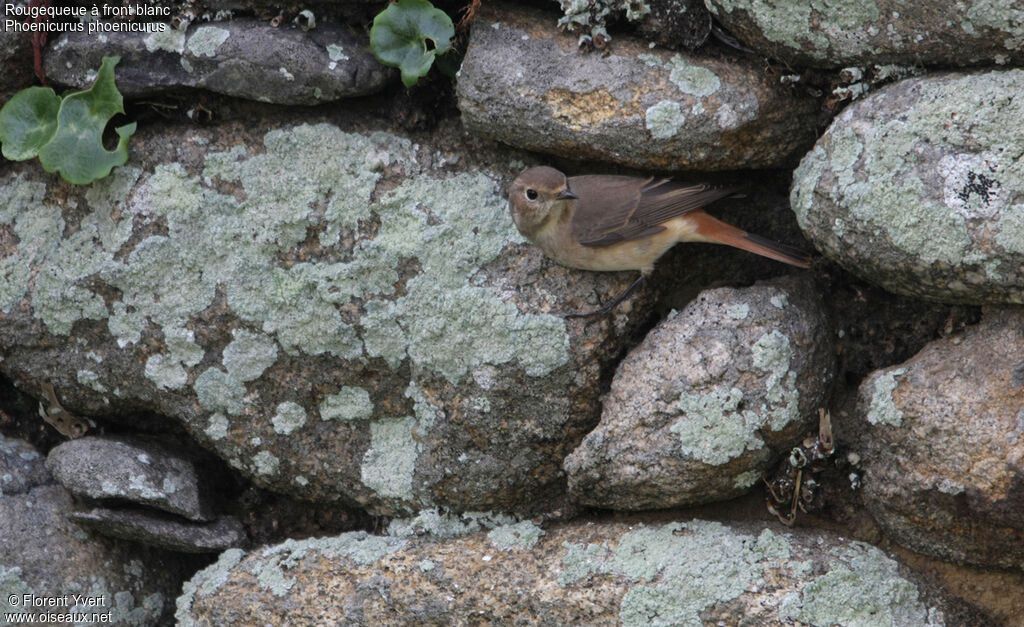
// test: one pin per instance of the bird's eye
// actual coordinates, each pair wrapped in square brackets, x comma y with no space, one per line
[531,194]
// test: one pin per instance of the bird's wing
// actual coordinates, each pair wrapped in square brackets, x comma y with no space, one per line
[614,209]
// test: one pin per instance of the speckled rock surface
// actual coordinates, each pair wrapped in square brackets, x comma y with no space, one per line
[240,57]
[525,84]
[943,445]
[21,467]
[15,57]
[44,555]
[700,409]
[337,314]
[681,573]
[131,469]
[164,531]
[920,188]
[821,33]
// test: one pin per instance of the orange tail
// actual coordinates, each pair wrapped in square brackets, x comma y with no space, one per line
[713,230]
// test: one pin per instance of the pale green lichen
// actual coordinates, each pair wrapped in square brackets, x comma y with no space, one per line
[217,427]
[522,535]
[840,33]
[124,326]
[206,39]
[713,430]
[167,40]
[91,380]
[679,569]
[166,373]
[62,263]
[405,232]
[925,229]
[694,80]
[14,269]
[739,311]
[580,561]
[167,369]
[650,60]
[389,463]
[289,417]
[350,403]
[500,332]
[449,325]
[426,411]
[801,568]
[846,150]
[382,335]
[882,410]
[205,583]
[664,120]
[649,606]
[773,354]
[746,479]
[249,355]
[1003,16]
[12,587]
[126,611]
[276,563]
[216,239]
[772,546]
[218,391]
[1011,229]
[265,463]
[444,526]
[807,176]
[336,53]
[270,575]
[861,588]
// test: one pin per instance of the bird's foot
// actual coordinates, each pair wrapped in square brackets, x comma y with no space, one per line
[608,307]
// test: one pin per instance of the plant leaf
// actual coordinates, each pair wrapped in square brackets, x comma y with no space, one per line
[27,122]
[400,34]
[449,63]
[76,149]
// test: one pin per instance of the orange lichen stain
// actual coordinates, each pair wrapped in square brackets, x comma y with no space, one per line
[582,110]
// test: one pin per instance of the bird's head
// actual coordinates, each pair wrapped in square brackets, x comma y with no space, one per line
[536,196]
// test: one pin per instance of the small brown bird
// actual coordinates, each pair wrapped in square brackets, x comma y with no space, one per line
[609,223]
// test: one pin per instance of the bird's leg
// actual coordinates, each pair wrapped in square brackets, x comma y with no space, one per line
[610,306]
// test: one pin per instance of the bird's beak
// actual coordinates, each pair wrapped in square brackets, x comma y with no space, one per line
[565,194]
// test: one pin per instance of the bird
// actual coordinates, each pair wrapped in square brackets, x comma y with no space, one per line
[612,223]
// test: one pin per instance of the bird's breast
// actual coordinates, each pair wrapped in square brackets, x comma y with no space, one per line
[640,254]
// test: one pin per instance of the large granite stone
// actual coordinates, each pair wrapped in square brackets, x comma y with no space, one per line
[821,33]
[337,314]
[526,84]
[920,188]
[942,444]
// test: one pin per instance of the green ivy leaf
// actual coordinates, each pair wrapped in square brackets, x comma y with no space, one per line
[76,150]
[27,122]
[401,33]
